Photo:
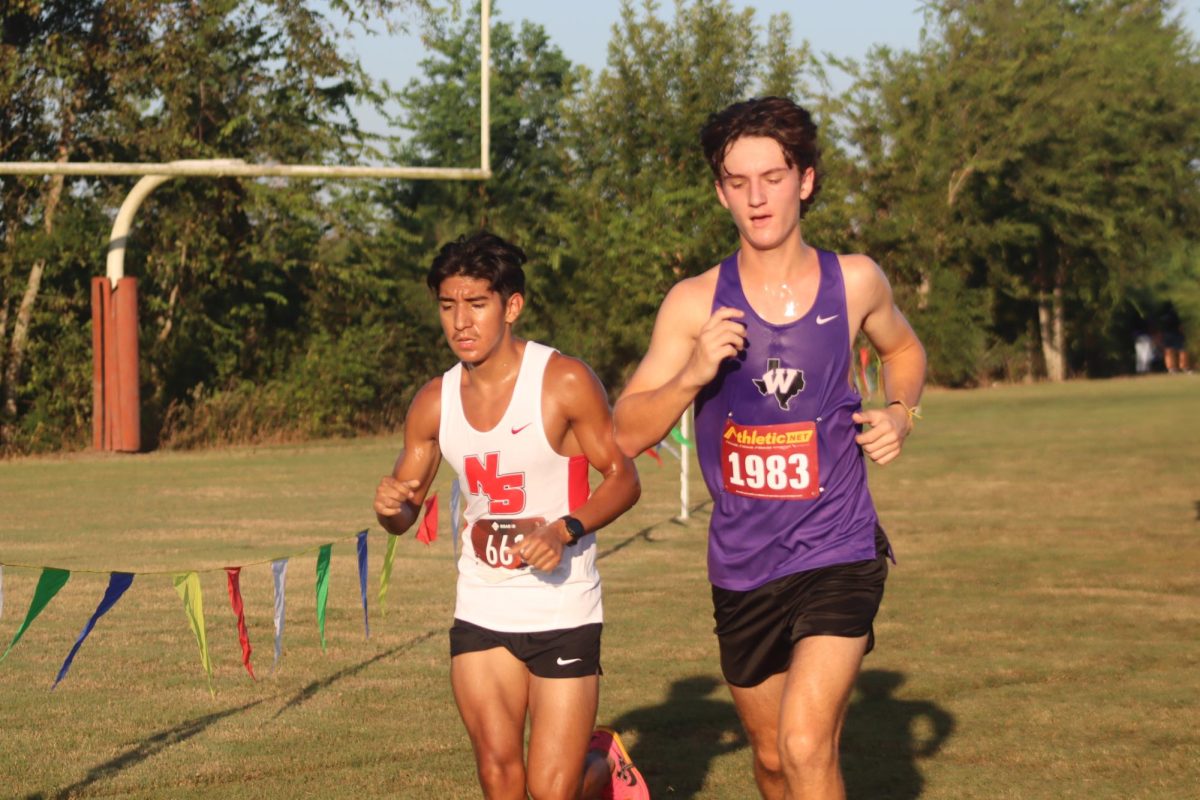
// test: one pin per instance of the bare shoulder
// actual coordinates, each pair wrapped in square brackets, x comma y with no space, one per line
[689,303]
[568,375]
[425,412]
[868,293]
[863,277]
[867,288]
[430,393]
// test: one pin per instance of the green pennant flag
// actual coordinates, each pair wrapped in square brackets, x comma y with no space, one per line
[322,588]
[678,436]
[385,576]
[187,586]
[47,586]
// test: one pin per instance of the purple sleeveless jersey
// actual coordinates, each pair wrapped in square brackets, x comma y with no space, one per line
[775,439]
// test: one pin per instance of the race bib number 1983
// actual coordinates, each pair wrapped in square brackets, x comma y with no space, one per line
[776,462]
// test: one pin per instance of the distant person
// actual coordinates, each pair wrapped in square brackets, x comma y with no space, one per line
[762,344]
[520,424]
[1143,351]
[1174,345]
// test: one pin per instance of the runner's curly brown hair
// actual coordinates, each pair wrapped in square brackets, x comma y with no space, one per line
[777,118]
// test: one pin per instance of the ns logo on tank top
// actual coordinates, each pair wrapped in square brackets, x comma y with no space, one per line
[495,537]
[779,381]
[505,493]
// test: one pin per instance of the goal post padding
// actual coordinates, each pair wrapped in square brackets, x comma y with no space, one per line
[116,407]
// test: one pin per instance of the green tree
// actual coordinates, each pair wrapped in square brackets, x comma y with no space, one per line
[1045,152]
[642,209]
[56,98]
[226,268]
[901,191]
[530,82]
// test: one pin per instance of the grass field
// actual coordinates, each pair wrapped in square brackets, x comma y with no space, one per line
[1040,637]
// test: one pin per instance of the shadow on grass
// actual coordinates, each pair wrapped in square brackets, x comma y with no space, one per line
[884,739]
[885,736]
[158,742]
[316,686]
[644,533]
[147,748]
[678,738]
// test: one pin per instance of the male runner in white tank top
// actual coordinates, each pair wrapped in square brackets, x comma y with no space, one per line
[520,424]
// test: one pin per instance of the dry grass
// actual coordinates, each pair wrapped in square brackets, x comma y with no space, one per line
[1038,639]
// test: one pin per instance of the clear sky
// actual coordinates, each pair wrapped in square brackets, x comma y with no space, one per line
[582,29]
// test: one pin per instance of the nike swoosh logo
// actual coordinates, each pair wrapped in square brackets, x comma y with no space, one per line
[822,320]
[515,431]
[563,663]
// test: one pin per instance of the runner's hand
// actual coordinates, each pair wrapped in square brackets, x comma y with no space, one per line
[391,495]
[889,428]
[722,337]
[542,549]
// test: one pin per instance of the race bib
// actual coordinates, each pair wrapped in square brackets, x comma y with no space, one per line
[776,462]
[495,540]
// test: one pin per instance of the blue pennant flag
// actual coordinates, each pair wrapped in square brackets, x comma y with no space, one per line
[118,582]
[455,502]
[362,578]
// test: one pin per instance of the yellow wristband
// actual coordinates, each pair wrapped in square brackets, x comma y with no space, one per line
[914,412]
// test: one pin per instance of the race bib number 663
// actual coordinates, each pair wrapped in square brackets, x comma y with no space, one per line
[495,540]
[776,462]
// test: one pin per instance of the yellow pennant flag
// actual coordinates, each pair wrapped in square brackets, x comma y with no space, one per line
[187,586]
[385,576]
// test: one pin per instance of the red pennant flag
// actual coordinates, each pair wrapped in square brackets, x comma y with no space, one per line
[653,453]
[864,355]
[429,526]
[235,599]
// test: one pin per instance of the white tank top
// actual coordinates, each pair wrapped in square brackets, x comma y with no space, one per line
[512,480]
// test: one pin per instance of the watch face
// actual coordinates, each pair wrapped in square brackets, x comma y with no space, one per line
[574,528]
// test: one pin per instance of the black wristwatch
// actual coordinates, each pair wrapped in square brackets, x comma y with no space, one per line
[574,530]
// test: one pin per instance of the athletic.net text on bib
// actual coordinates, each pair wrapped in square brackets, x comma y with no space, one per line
[777,462]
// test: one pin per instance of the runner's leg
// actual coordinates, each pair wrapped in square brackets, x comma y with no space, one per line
[794,719]
[562,712]
[491,688]
[815,699]
[758,707]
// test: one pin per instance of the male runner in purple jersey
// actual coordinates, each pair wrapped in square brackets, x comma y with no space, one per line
[762,344]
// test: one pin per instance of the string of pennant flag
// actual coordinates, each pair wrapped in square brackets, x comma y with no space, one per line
[187,586]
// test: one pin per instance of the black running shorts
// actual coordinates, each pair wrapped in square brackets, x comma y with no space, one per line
[758,629]
[563,653]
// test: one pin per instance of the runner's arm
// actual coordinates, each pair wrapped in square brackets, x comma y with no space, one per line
[590,419]
[399,496]
[903,359]
[686,350]
[580,398]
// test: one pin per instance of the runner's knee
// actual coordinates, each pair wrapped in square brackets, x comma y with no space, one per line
[766,758]
[552,784]
[803,749]
[498,774]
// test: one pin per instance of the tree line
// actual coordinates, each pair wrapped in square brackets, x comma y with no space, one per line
[1027,177]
